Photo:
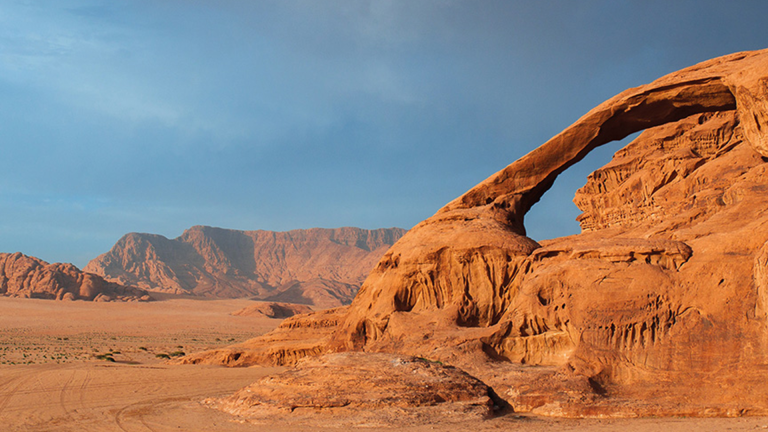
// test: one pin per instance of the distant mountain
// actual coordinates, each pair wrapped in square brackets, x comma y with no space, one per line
[320,267]
[30,277]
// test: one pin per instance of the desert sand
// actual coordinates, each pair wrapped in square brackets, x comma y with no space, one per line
[52,378]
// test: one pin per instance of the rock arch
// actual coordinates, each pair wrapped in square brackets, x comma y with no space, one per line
[464,260]
[615,313]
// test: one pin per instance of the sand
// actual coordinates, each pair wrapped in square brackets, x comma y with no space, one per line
[79,366]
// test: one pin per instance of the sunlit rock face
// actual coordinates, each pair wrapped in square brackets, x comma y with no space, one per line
[318,267]
[658,307]
[382,390]
[29,277]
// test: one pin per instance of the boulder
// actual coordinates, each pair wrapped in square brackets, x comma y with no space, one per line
[362,389]
[273,310]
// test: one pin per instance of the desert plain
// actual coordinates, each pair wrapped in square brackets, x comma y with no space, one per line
[85,366]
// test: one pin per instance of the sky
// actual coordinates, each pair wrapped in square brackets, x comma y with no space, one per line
[122,116]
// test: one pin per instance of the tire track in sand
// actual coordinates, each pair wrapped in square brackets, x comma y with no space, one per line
[10,389]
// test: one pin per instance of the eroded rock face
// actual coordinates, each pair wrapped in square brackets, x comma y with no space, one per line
[658,175]
[30,277]
[367,388]
[320,267]
[295,338]
[655,287]
[661,298]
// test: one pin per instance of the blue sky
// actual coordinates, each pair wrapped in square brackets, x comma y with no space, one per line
[153,116]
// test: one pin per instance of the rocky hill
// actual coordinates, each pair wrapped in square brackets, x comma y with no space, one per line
[30,277]
[320,267]
[659,306]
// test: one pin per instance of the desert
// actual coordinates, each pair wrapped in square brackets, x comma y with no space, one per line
[651,312]
[383,215]
[53,380]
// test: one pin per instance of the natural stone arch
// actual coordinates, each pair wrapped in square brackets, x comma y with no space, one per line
[721,84]
[520,185]
[464,259]
[613,314]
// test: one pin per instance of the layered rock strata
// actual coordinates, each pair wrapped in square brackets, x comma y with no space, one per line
[353,389]
[295,338]
[319,267]
[657,307]
[29,277]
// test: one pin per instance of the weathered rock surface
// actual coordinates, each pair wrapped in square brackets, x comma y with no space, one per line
[658,307]
[366,388]
[295,338]
[320,293]
[320,267]
[30,277]
[273,310]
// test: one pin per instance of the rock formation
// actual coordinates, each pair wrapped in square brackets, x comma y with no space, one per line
[273,310]
[296,337]
[659,306]
[364,389]
[320,267]
[29,277]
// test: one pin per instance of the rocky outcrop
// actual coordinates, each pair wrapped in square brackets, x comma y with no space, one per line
[658,307]
[295,338]
[367,389]
[320,267]
[273,310]
[30,277]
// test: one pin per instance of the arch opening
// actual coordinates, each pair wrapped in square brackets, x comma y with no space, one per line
[554,215]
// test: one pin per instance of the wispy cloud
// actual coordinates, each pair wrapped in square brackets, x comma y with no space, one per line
[153,115]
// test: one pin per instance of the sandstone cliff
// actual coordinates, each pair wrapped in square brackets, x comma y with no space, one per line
[659,306]
[320,267]
[29,277]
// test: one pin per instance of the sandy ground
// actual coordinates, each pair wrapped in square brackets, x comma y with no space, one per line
[77,366]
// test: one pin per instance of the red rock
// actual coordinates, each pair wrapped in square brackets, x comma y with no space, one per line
[273,310]
[369,388]
[297,337]
[30,277]
[320,267]
[658,307]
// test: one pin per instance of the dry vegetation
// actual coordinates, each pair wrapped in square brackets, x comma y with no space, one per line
[43,331]
[20,346]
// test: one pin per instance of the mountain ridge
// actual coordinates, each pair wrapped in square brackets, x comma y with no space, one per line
[30,277]
[217,262]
